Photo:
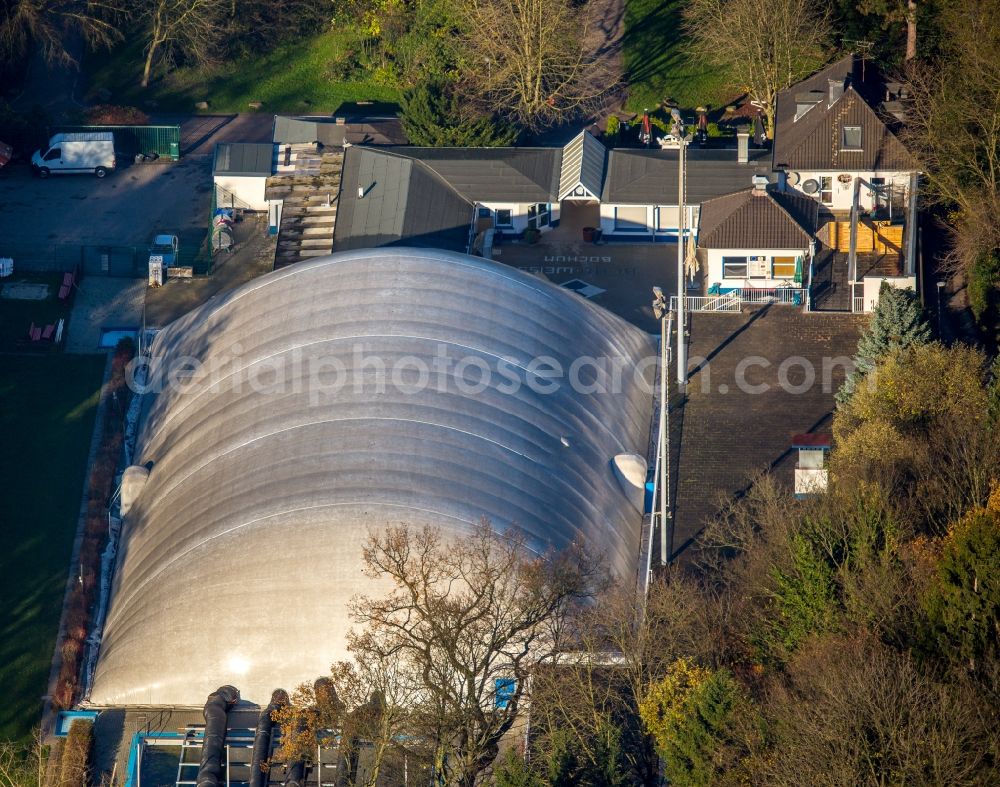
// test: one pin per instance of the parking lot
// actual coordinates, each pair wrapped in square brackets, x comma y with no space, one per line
[126,208]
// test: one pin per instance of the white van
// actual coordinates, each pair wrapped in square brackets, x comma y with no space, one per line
[79,152]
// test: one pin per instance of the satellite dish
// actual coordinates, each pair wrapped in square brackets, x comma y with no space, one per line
[810,186]
[793,178]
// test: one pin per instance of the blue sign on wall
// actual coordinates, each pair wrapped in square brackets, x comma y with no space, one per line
[503,692]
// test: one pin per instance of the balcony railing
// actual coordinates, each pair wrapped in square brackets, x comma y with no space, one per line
[727,302]
[786,295]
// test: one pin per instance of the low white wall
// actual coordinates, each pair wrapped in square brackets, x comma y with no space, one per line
[246,189]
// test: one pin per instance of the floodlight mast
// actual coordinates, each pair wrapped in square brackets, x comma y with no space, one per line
[681,284]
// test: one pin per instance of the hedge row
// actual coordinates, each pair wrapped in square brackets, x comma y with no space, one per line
[88,568]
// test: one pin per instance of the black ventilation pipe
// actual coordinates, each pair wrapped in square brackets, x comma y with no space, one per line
[263,737]
[295,775]
[216,712]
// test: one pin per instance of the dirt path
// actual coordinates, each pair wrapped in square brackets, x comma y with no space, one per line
[605,42]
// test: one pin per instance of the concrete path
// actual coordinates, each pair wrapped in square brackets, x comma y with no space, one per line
[103,303]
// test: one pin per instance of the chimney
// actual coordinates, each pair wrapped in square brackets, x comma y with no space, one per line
[340,121]
[760,183]
[361,192]
[743,144]
[836,87]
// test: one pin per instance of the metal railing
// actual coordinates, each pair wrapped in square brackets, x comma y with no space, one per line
[727,302]
[786,295]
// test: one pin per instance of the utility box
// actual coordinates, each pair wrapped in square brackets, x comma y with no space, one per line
[155,270]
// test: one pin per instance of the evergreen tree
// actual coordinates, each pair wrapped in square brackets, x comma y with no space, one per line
[690,714]
[432,116]
[897,323]
[963,602]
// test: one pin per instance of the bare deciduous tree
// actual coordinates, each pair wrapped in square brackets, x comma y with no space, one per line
[48,24]
[191,26]
[467,621]
[857,712]
[763,46]
[22,763]
[623,645]
[365,704]
[534,62]
[953,125]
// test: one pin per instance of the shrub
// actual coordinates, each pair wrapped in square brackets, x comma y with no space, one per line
[613,128]
[111,115]
[63,697]
[76,754]
[984,277]
[76,615]
[71,649]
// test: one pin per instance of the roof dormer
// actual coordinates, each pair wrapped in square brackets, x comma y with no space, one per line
[806,101]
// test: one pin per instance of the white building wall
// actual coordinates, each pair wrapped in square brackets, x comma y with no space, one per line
[714,275]
[247,189]
[843,193]
[519,215]
[872,286]
[656,220]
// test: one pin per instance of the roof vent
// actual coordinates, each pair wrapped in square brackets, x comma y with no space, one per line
[630,470]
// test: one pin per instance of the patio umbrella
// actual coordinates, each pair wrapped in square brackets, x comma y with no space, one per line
[646,134]
[797,278]
[691,258]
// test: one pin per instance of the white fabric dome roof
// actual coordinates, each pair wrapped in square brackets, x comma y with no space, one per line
[243,549]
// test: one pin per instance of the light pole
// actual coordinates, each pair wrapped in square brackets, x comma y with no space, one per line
[681,284]
[662,313]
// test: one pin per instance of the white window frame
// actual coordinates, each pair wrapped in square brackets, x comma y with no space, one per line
[843,138]
[730,260]
[631,222]
[775,263]
[539,215]
[826,189]
[509,222]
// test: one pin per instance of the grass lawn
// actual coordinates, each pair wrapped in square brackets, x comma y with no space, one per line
[46,419]
[16,316]
[658,64]
[292,78]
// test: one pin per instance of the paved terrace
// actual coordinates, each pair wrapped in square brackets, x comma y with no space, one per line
[727,433]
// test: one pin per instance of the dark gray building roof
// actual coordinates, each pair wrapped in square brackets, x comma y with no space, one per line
[306,130]
[649,177]
[246,159]
[757,219]
[811,139]
[582,166]
[521,175]
[404,203]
